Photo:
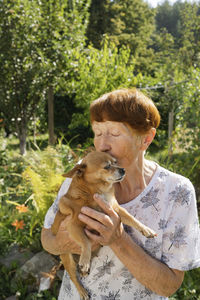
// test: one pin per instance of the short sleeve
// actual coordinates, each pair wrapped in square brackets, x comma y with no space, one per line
[50,215]
[181,238]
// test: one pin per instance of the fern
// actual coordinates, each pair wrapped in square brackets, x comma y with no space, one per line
[43,175]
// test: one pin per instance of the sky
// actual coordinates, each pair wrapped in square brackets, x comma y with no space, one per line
[154,3]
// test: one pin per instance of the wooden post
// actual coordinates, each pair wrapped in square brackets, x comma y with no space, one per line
[170,130]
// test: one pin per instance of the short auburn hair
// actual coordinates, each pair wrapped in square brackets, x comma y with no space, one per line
[128,106]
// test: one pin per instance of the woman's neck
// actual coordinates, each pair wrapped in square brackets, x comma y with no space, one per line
[138,176]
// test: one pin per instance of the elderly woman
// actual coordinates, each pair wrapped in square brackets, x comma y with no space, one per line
[130,266]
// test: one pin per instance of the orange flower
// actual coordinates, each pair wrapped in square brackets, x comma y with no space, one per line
[18,224]
[22,208]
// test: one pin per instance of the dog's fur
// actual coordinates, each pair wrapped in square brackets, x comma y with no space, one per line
[96,174]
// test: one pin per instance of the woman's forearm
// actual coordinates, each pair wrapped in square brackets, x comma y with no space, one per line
[150,272]
[61,242]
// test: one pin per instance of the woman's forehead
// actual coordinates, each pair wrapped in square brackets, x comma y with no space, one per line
[108,125]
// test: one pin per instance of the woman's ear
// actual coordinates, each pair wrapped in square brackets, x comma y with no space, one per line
[148,138]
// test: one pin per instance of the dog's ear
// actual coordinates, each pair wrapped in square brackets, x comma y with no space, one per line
[79,170]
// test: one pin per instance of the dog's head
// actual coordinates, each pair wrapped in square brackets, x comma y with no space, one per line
[98,167]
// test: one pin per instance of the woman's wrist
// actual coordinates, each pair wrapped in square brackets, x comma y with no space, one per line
[119,238]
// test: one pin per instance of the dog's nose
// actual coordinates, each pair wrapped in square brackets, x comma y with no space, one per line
[122,171]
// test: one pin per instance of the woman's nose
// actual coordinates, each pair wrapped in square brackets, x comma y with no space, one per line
[103,144]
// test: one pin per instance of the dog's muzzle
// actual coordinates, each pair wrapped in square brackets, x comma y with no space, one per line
[121,172]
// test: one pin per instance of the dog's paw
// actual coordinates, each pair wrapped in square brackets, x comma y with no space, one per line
[84,294]
[84,269]
[84,263]
[149,233]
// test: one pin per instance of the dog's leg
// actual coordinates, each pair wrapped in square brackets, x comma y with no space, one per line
[70,267]
[128,219]
[64,207]
[57,221]
[78,235]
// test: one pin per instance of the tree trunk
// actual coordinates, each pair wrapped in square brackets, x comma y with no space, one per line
[51,116]
[22,145]
[22,135]
[34,130]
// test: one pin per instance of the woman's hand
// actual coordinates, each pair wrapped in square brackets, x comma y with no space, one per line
[107,223]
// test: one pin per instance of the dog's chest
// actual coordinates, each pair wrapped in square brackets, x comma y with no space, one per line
[110,199]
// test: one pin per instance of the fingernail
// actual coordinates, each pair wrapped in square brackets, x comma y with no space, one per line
[83,209]
[97,196]
[80,216]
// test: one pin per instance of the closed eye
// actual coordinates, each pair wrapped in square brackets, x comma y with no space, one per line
[98,134]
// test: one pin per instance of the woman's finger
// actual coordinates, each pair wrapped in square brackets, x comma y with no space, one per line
[91,222]
[96,215]
[97,239]
[106,207]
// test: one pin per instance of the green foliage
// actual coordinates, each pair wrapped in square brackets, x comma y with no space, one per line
[168,17]
[33,182]
[188,114]
[36,38]
[24,289]
[21,68]
[189,35]
[182,21]
[190,289]
[44,176]
[97,23]
[98,72]
[126,23]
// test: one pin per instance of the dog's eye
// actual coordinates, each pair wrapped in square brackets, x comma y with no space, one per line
[107,167]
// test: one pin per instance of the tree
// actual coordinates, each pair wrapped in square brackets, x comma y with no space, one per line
[21,68]
[168,17]
[127,23]
[97,23]
[188,112]
[189,30]
[176,46]
[182,21]
[98,72]
[35,44]
[62,29]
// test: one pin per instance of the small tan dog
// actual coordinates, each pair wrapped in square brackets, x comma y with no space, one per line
[96,174]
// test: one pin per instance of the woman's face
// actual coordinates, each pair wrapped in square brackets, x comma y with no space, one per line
[118,140]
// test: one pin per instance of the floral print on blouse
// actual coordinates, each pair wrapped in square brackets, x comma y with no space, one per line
[168,206]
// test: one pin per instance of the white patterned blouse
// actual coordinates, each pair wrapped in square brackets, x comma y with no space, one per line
[168,206]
